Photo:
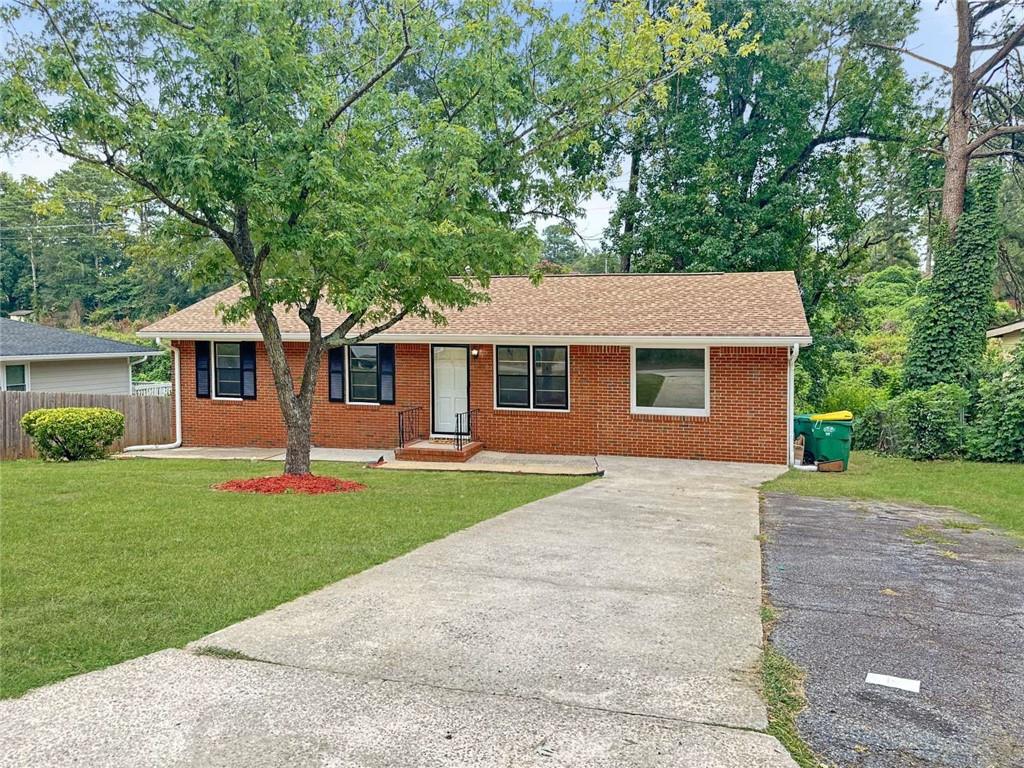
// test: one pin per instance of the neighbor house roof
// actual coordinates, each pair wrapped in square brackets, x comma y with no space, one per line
[23,340]
[739,307]
[1003,330]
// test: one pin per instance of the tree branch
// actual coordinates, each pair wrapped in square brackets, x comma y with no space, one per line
[1004,50]
[167,17]
[380,328]
[366,87]
[1008,152]
[992,133]
[913,55]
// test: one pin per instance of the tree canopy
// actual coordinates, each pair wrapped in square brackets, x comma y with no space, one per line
[358,154]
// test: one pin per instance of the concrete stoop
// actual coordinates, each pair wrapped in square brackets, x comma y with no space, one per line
[433,450]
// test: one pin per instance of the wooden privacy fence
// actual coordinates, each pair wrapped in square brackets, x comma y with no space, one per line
[147,420]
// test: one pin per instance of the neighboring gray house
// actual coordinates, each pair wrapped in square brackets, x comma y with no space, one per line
[38,358]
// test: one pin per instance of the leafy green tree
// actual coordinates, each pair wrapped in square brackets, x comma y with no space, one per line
[560,245]
[22,210]
[758,163]
[949,338]
[342,153]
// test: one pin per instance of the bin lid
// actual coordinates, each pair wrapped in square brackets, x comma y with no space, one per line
[833,416]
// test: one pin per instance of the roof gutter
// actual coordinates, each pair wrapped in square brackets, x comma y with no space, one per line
[177,412]
[88,356]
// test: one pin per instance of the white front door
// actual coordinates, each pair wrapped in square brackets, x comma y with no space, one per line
[451,387]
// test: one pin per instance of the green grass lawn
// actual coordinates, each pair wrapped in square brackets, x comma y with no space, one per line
[993,492]
[105,561]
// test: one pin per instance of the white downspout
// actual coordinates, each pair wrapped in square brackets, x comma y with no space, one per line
[177,411]
[791,400]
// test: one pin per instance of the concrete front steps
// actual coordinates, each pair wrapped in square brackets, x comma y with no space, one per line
[430,450]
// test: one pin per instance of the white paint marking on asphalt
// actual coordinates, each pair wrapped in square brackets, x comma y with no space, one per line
[914,686]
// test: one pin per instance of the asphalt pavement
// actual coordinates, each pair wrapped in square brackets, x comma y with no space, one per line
[920,594]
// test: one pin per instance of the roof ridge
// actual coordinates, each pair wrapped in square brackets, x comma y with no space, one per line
[547,275]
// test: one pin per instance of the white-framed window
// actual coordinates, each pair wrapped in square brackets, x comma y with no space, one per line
[227,370]
[670,381]
[531,377]
[16,377]
[370,372]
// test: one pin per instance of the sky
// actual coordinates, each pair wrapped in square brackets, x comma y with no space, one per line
[935,38]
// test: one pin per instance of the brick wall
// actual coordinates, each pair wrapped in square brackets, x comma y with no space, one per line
[747,421]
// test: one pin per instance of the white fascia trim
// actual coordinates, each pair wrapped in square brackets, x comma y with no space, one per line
[98,356]
[443,338]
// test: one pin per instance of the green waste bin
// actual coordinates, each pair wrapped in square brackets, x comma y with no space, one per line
[831,439]
[825,439]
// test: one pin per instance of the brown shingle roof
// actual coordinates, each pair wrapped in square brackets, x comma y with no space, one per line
[746,304]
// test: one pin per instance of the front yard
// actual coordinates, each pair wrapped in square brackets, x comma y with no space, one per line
[106,561]
[993,492]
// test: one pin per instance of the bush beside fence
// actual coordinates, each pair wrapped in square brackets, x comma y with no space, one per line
[147,419]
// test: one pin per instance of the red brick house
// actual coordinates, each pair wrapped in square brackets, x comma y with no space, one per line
[695,366]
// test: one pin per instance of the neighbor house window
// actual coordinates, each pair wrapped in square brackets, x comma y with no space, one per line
[15,378]
[531,377]
[550,377]
[670,381]
[228,369]
[371,373]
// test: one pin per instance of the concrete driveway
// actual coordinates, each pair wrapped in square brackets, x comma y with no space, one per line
[615,624]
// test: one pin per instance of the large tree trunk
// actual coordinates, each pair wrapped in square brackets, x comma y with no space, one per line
[296,407]
[958,136]
[629,220]
[300,427]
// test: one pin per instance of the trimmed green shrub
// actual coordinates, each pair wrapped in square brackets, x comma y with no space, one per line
[997,433]
[70,434]
[925,423]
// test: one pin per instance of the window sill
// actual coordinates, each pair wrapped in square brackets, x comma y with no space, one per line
[524,409]
[682,413]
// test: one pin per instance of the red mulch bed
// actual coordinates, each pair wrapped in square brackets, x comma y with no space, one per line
[311,484]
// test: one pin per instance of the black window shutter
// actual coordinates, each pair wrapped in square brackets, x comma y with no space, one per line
[336,374]
[202,369]
[247,351]
[386,373]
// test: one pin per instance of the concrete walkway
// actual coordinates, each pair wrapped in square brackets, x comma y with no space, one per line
[615,624]
[485,461]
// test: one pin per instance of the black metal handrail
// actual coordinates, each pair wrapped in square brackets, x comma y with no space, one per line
[464,428]
[409,430]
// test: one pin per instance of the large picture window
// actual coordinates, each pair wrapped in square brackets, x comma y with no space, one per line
[670,381]
[531,377]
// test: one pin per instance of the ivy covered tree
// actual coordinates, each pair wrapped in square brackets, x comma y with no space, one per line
[351,154]
[949,337]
